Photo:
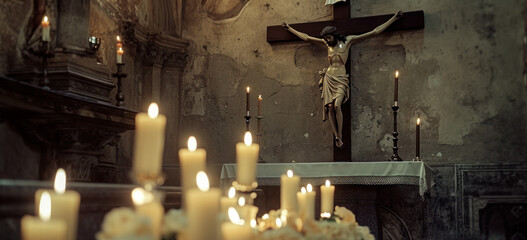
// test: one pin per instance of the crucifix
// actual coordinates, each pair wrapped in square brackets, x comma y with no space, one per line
[346,26]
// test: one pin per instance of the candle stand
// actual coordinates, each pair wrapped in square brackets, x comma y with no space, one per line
[119,96]
[395,155]
[247,120]
[259,132]
[44,53]
[417,159]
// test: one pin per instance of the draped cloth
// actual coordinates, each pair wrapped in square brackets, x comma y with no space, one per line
[329,2]
[331,87]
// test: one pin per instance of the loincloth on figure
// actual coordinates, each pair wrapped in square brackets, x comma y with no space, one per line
[331,87]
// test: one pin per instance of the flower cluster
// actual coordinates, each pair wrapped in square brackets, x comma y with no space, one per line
[125,224]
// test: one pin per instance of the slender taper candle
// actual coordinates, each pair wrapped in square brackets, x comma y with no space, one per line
[417,139]
[396,88]
[247,105]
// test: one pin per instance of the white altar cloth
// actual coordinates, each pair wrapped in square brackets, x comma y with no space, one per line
[352,173]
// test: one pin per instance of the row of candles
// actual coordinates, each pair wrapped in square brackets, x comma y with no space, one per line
[46,37]
[418,122]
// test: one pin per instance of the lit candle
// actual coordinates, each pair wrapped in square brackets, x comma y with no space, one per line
[236,229]
[417,139]
[309,212]
[64,204]
[246,158]
[191,161]
[260,105]
[248,101]
[301,198]
[119,42]
[149,143]
[120,53]
[202,210]
[147,206]
[247,212]
[396,89]
[289,186]
[229,201]
[43,228]
[45,29]
[327,194]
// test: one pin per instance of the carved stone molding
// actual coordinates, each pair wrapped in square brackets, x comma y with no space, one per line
[477,186]
[155,48]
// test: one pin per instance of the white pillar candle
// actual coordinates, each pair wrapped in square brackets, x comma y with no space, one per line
[246,212]
[229,201]
[43,228]
[327,193]
[45,29]
[301,198]
[120,53]
[246,159]
[191,161]
[202,210]
[290,185]
[147,206]
[149,142]
[310,203]
[236,229]
[64,204]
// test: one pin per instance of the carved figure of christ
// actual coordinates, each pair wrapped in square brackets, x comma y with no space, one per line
[355,29]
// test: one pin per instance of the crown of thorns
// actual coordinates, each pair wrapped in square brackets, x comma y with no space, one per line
[328,30]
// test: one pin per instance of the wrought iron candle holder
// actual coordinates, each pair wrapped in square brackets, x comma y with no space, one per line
[247,121]
[119,96]
[395,155]
[259,132]
[44,53]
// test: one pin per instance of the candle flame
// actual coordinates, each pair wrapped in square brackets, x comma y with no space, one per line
[265,216]
[418,121]
[278,223]
[248,89]
[118,38]
[153,110]
[232,192]
[253,223]
[241,201]
[303,190]
[192,143]
[140,196]
[309,187]
[396,74]
[325,215]
[120,51]
[248,138]
[45,19]
[60,181]
[44,209]
[328,183]
[234,216]
[203,181]
[289,173]
[260,97]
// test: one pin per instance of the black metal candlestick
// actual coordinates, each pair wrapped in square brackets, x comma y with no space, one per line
[119,96]
[247,120]
[44,53]
[395,156]
[259,132]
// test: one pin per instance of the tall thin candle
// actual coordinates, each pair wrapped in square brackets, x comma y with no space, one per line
[45,29]
[396,88]
[417,139]
[247,105]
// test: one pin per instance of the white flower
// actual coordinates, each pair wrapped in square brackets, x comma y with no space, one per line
[124,223]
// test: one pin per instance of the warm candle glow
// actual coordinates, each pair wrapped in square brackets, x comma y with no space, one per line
[396,74]
[232,192]
[278,223]
[260,97]
[283,217]
[153,110]
[418,121]
[140,196]
[325,215]
[253,223]
[45,207]
[248,89]
[203,181]
[241,201]
[118,38]
[120,51]
[234,216]
[289,173]
[192,144]
[45,21]
[248,139]
[328,183]
[265,216]
[60,181]
[303,190]
[309,187]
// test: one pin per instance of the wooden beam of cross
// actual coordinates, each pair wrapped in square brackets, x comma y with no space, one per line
[346,26]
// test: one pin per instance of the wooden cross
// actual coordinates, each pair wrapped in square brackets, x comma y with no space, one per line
[346,26]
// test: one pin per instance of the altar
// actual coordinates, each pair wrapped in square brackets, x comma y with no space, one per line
[360,186]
